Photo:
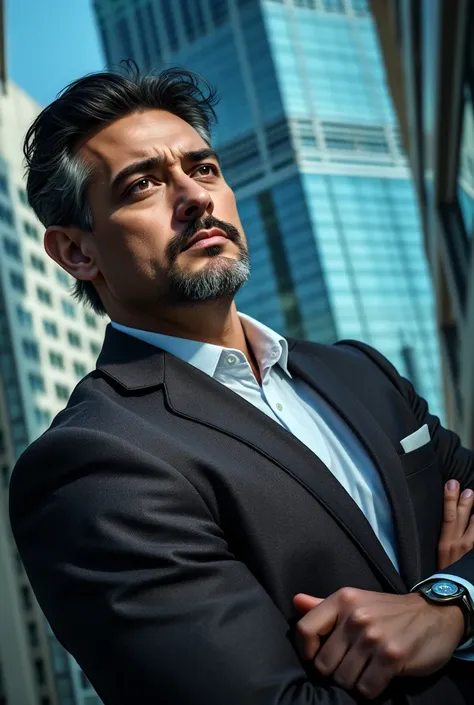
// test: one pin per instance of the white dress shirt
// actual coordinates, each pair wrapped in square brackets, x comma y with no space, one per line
[298,408]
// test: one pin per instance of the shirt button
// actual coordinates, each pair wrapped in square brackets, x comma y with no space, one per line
[231,359]
[279,406]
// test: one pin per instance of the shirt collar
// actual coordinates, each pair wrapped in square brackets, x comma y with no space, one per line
[269,347]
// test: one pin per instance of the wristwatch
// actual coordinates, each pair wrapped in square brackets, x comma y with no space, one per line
[448,592]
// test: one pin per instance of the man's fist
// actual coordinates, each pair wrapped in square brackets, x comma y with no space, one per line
[363,639]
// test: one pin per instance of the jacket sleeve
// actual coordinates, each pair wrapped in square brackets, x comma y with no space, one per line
[456,460]
[138,583]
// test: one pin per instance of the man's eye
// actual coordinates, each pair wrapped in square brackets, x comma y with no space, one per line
[139,186]
[207,170]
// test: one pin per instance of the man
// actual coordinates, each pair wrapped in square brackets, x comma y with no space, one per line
[210,481]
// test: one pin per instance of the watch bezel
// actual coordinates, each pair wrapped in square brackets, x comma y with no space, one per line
[436,597]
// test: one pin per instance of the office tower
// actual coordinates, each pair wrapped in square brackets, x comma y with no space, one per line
[309,141]
[47,342]
[429,53]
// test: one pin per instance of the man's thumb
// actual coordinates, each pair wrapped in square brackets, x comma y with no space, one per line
[304,603]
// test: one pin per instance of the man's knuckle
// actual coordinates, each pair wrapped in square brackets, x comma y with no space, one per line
[450,516]
[466,545]
[322,665]
[348,595]
[391,652]
[360,617]
[373,636]
[304,629]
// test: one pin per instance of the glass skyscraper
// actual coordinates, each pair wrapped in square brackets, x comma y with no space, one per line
[309,142]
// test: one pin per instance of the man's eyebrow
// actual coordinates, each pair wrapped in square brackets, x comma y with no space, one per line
[200,155]
[153,163]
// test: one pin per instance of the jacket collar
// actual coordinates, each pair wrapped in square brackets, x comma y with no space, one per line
[206,357]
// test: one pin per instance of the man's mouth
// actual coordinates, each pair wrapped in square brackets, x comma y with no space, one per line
[206,238]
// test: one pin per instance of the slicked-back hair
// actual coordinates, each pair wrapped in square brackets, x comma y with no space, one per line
[57,178]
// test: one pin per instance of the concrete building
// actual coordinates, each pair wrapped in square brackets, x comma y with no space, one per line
[47,342]
[429,54]
[309,141]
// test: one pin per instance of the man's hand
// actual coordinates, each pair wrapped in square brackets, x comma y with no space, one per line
[457,532]
[372,637]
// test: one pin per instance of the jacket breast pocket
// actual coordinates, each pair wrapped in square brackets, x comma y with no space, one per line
[419,459]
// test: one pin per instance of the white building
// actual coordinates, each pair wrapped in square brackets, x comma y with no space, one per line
[47,343]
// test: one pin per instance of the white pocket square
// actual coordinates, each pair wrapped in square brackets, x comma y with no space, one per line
[417,439]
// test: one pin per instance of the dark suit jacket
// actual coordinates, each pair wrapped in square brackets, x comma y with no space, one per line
[165,525]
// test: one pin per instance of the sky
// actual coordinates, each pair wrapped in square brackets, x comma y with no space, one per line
[50,43]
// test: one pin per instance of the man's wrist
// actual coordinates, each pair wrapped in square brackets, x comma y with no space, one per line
[455,620]
[452,613]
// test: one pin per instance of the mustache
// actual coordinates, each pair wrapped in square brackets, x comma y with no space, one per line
[179,241]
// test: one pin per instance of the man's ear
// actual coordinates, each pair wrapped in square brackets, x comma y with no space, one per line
[69,247]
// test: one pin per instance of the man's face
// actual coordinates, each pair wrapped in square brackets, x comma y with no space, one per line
[155,186]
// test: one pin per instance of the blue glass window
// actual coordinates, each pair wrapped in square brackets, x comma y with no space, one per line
[62,392]
[6,215]
[125,39]
[80,369]
[38,264]
[56,360]
[68,308]
[199,16]
[189,27]
[219,11]
[141,26]
[154,31]
[50,328]
[36,382]
[30,349]
[12,248]
[44,295]
[74,339]
[170,27]
[25,318]
[17,282]
[30,230]
[360,7]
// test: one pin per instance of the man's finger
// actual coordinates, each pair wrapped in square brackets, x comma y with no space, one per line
[465,503]
[380,670]
[319,621]
[451,496]
[304,603]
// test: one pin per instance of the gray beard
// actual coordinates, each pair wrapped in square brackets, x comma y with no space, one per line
[221,279]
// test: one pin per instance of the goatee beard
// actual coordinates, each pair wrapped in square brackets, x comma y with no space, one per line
[222,276]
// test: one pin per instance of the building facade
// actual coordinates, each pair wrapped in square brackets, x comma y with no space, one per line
[429,53]
[47,343]
[310,143]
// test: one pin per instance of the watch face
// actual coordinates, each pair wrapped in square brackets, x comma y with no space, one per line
[445,588]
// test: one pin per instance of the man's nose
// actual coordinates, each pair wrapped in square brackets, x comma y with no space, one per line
[193,204]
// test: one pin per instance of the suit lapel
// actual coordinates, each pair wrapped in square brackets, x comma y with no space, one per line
[194,395]
[318,375]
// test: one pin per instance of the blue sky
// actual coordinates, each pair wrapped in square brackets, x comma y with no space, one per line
[49,44]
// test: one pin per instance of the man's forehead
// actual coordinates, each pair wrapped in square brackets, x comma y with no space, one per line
[139,136]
